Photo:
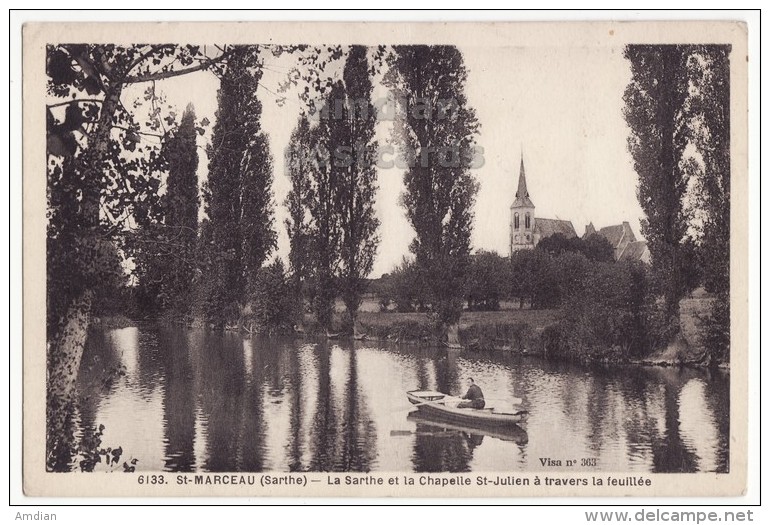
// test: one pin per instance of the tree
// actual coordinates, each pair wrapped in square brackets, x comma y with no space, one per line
[435,131]
[270,299]
[240,178]
[533,277]
[597,248]
[488,281]
[403,288]
[559,243]
[355,178]
[180,207]
[659,134]
[710,70]
[594,247]
[299,163]
[325,232]
[99,173]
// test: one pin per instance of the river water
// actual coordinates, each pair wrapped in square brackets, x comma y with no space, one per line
[190,400]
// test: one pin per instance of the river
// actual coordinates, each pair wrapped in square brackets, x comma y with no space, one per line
[191,400]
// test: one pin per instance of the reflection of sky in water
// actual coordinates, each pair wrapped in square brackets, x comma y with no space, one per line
[132,413]
[227,403]
[697,424]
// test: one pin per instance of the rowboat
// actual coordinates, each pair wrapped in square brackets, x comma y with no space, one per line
[439,405]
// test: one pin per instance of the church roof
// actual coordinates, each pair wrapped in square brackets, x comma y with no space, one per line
[547,227]
[522,195]
[634,251]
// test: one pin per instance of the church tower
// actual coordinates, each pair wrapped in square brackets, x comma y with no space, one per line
[522,216]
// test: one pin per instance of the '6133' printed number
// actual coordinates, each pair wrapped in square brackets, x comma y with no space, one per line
[151,479]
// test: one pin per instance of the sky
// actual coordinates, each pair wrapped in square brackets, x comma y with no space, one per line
[559,107]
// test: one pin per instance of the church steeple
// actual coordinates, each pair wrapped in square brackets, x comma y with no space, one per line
[522,195]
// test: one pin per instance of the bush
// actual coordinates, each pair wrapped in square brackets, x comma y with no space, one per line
[271,306]
[519,337]
[717,330]
[614,315]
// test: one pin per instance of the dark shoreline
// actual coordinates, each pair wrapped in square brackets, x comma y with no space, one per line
[117,322]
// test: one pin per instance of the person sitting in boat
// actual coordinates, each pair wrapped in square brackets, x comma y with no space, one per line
[474,396]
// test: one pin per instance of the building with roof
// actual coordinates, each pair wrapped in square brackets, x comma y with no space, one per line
[526,230]
[623,241]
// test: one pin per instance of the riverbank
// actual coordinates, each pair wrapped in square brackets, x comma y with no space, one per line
[519,331]
[525,331]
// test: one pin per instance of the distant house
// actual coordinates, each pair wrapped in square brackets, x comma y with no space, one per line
[526,230]
[623,241]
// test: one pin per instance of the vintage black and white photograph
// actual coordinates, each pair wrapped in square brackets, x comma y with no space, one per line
[387,254]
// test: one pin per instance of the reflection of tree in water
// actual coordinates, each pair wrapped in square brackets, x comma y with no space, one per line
[596,410]
[669,454]
[447,375]
[324,424]
[100,370]
[718,401]
[295,413]
[346,440]
[423,378]
[668,450]
[640,424]
[252,447]
[439,450]
[178,401]
[359,432]
[233,406]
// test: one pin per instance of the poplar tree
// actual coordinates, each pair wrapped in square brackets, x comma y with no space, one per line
[659,133]
[355,177]
[299,163]
[240,176]
[710,71]
[436,133]
[180,205]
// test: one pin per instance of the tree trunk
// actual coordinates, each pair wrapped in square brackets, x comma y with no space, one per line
[64,355]
[65,349]
[453,335]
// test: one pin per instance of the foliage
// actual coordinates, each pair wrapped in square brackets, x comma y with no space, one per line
[612,315]
[324,231]
[299,165]
[594,247]
[717,330]
[656,110]
[436,139]
[597,248]
[164,245]
[711,108]
[488,281]
[239,198]
[352,131]
[402,288]
[272,308]
[534,278]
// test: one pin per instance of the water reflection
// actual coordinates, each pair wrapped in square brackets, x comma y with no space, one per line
[188,400]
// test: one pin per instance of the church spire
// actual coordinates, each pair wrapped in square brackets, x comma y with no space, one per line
[522,195]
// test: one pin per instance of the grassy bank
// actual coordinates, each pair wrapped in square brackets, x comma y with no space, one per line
[522,330]
[516,330]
